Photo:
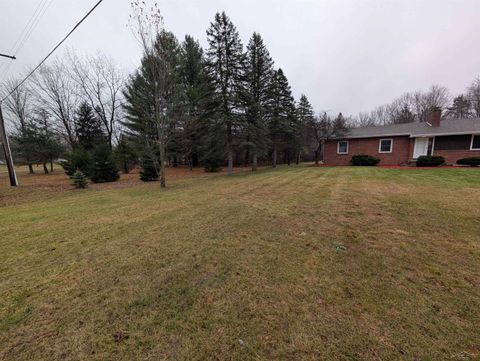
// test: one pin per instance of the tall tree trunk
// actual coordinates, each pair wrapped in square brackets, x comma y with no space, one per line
[190,163]
[230,162]
[51,165]
[322,151]
[30,168]
[297,161]
[288,157]
[274,165]
[45,169]
[254,159]
[163,165]
[317,155]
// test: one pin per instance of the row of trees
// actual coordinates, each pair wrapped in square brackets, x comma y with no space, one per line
[217,107]
[224,104]
[45,113]
[415,106]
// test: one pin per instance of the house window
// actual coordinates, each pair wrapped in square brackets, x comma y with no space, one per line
[385,146]
[342,147]
[475,142]
[453,142]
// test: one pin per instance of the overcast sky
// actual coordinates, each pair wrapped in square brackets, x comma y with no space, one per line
[345,55]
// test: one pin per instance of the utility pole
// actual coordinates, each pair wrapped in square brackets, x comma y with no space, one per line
[5,143]
[7,151]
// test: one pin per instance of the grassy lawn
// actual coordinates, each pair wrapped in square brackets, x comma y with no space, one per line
[298,263]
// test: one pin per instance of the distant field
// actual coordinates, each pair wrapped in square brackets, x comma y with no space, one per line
[298,263]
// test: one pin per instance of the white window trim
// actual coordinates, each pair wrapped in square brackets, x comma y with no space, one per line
[471,143]
[338,146]
[380,145]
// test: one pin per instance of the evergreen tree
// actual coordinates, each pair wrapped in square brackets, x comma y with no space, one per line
[77,159]
[405,115]
[281,110]
[125,154]
[35,141]
[149,172]
[154,101]
[461,107]
[259,73]
[305,116]
[88,128]
[79,180]
[48,143]
[24,143]
[103,168]
[196,88]
[226,64]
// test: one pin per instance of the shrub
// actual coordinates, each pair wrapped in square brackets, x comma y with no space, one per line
[103,168]
[77,159]
[364,160]
[79,179]
[471,161]
[430,161]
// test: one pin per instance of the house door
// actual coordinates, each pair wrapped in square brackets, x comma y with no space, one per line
[421,147]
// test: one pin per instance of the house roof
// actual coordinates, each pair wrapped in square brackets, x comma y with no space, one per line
[417,129]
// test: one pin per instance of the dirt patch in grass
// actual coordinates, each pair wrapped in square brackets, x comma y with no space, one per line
[45,186]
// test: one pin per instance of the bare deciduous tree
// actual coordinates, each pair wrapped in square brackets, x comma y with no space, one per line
[56,93]
[18,108]
[473,95]
[100,83]
[147,25]
[324,128]
[408,107]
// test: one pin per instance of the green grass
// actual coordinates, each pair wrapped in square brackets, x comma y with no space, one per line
[298,263]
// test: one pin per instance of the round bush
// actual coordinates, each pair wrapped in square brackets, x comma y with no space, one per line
[471,161]
[364,160]
[430,161]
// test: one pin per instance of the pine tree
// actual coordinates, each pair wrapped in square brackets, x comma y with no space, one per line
[196,88]
[48,143]
[103,168]
[305,116]
[24,143]
[259,73]
[461,107]
[77,159]
[125,154]
[154,100]
[226,64]
[281,110]
[404,115]
[79,179]
[88,128]
[149,172]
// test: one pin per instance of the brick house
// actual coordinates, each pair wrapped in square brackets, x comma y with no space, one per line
[401,144]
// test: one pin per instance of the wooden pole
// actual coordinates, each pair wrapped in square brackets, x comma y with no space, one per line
[7,151]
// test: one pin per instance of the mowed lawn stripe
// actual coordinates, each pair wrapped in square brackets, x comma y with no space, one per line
[293,263]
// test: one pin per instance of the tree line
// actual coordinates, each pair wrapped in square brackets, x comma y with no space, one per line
[217,107]
[416,106]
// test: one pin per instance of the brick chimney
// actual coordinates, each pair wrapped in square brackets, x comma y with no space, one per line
[434,117]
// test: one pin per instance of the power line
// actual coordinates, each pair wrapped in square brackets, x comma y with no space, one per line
[54,49]
[28,25]
[25,34]
[33,25]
